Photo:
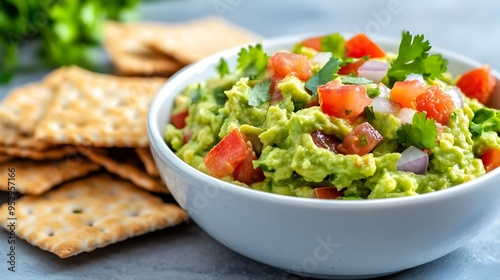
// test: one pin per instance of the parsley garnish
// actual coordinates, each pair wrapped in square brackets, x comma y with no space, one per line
[222,68]
[422,133]
[355,80]
[323,76]
[369,113]
[333,43]
[259,93]
[252,61]
[413,57]
[485,120]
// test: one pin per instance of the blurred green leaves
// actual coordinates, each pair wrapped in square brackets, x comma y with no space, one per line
[68,31]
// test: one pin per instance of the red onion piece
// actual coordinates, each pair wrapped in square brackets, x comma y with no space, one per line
[406,115]
[413,160]
[321,58]
[373,70]
[456,96]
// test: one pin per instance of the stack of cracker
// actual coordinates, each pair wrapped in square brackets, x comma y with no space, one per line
[158,49]
[83,135]
[78,142]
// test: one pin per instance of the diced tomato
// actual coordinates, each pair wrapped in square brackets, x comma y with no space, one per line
[328,193]
[313,43]
[351,68]
[361,140]
[343,101]
[222,159]
[491,159]
[245,172]
[405,92]
[478,83]
[233,155]
[325,141]
[360,45]
[179,119]
[276,95]
[186,137]
[283,64]
[437,104]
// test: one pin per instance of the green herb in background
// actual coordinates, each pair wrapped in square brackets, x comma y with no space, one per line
[68,31]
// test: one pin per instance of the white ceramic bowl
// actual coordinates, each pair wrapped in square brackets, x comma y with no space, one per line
[322,238]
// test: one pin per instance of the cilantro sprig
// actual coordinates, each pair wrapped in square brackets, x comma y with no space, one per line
[252,62]
[485,120]
[259,94]
[324,75]
[413,57]
[421,133]
[222,67]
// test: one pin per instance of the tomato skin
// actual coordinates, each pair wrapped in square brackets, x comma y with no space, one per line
[179,119]
[313,43]
[245,172]
[351,68]
[222,159]
[328,193]
[283,64]
[361,45]
[491,159]
[343,101]
[405,92]
[437,104]
[356,143]
[478,83]
[233,155]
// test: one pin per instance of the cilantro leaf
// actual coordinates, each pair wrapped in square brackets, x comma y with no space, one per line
[485,120]
[259,93]
[252,61]
[422,133]
[222,68]
[324,75]
[355,80]
[413,57]
[195,94]
[369,113]
[333,43]
[220,96]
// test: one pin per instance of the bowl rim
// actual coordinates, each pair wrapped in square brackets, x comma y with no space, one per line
[158,144]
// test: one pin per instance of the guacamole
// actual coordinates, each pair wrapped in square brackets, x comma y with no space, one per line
[338,118]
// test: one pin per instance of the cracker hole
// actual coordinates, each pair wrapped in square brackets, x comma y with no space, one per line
[133,213]
[90,223]
[50,232]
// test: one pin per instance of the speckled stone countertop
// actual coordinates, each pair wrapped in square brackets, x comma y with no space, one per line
[471,28]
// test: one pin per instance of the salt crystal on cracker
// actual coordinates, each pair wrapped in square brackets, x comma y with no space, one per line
[99,110]
[90,213]
[37,177]
[121,163]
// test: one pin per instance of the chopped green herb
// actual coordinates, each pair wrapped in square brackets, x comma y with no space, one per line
[77,211]
[260,93]
[413,57]
[220,96]
[347,112]
[369,113]
[222,68]
[362,140]
[485,119]
[323,76]
[372,92]
[195,94]
[422,133]
[252,61]
[355,80]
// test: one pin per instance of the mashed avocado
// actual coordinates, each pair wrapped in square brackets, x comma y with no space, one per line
[299,144]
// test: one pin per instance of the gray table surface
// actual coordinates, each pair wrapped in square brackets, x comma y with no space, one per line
[471,28]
